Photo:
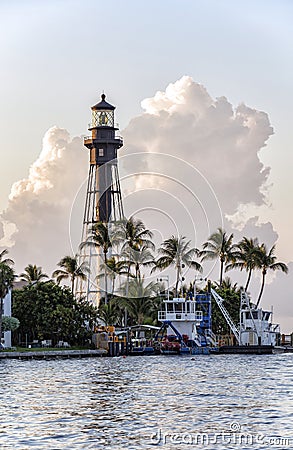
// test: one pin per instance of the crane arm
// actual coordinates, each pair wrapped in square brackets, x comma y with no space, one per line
[219,300]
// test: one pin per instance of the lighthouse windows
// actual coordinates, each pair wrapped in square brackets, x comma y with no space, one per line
[101,152]
[102,118]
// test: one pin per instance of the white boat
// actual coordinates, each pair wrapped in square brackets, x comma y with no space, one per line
[256,327]
[186,325]
[256,332]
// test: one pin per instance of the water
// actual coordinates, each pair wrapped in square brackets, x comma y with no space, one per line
[148,402]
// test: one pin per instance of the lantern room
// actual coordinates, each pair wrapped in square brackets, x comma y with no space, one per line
[102,114]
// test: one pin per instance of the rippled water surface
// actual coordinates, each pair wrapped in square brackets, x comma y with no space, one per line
[214,402]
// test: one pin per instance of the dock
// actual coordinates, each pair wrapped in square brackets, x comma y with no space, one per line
[53,354]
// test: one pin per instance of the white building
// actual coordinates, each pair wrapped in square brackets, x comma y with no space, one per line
[6,336]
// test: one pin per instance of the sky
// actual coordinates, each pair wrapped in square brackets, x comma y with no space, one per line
[203,94]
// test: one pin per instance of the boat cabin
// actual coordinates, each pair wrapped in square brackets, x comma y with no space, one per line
[180,309]
[256,327]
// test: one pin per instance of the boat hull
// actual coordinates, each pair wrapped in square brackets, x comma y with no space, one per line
[136,351]
[247,349]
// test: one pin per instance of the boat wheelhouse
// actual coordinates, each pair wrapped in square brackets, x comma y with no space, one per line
[256,327]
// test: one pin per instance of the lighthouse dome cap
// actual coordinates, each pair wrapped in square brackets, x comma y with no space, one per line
[102,105]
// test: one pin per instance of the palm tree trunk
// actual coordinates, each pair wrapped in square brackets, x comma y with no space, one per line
[106,278]
[138,272]
[248,279]
[177,280]
[221,272]
[262,286]
[127,290]
[127,280]
[72,283]
[113,284]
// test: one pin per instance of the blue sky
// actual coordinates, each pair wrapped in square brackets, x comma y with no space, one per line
[57,56]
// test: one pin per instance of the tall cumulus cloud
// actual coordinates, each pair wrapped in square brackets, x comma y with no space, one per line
[221,141]
[36,221]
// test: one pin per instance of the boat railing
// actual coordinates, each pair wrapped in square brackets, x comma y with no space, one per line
[197,341]
[211,338]
[179,315]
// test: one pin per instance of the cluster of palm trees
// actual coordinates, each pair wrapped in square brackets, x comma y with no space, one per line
[128,252]
[133,250]
[69,270]
[246,255]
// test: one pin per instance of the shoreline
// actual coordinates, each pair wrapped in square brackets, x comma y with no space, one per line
[53,354]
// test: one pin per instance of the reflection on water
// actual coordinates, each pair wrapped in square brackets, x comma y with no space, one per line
[144,402]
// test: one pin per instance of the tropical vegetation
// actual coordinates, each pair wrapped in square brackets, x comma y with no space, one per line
[246,256]
[230,292]
[71,269]
[142,301]
[219,246]
[32,274]
[113,270]
[268,261]
[46,310]
[110,313]
[10,323]
[99,238]
[177,251]
[134,234]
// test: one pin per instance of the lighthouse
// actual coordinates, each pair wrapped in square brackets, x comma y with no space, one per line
[103,202]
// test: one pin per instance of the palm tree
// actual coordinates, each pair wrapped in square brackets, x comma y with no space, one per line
[113,269]
[141,300]
[218,245]
[7,261]
[137,258]
[246,256]
[6,282]
[134,234]
[99,237]
[32,273]
[268,261]
[227,284]
[70,269]
[109,313]
[177,252]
